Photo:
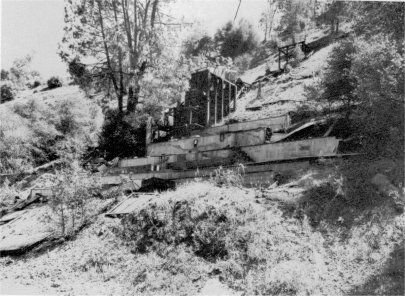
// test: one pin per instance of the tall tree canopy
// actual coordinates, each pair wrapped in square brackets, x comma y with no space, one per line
[114,43]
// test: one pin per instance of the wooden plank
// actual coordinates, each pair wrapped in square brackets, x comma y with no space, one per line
[292,150]
[208,99]
[234,99]
[192,144]
[215,101]
[205,172]
[222,99]
[277,152]
[275,123]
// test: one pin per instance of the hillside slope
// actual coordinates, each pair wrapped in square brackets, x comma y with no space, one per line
[243,239]
[38,127]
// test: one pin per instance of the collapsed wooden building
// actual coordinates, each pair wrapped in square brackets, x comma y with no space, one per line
[194,143]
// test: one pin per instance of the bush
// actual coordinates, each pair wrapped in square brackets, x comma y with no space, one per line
[54,82]
[250,247]
[36,84]
[7,93]
[7,197]
[123,136]
[33,133]
[235,41]
[70,201]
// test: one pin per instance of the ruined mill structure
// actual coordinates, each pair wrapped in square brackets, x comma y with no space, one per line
[193,141]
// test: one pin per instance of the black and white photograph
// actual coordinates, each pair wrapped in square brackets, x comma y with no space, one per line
[202,147]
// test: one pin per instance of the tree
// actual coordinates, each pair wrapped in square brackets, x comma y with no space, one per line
[380,17]
[333,15]
[117,42]
[20,72]
[295,15]
[199,45]
[267,19]
[7,93]
[4,75]
[338,85]
[378,68]
[236,40]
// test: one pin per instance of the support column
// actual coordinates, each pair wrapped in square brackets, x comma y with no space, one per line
[215,101]
[222,99]
[234,99]
[208,99]
[230,98]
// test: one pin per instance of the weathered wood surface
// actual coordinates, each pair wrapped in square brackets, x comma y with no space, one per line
[201,173]
[275,123]
[15,244]
[197,144]
[192,144]
[131,204]
[317,147]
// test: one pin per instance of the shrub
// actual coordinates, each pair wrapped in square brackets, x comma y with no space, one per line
[7,93]
[222,177]
[70,201]
[235,41]
[36,84]
[54,82]
[123,137]
[7,196]
[33,133]
[249,246]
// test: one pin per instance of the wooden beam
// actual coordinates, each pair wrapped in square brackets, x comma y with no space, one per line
[222,99]
[230,97]
[208,98]
[234,99]
[215,101]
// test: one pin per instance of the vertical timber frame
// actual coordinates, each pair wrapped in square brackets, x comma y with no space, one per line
[234,98]
[215,100]
[208,98]
[230,97]
[222,99]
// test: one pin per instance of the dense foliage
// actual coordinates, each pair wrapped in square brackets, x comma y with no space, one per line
[54,82]
[33,133]
[235,40]
[364,79]
[123,137]
[7,93]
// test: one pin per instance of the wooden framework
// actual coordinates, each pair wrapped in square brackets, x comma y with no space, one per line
[208,101]
[286,49]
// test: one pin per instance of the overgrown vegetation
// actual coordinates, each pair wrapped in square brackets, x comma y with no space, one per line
[7,93]
[54,82]
[364,81]
[32,133]
[73,189]
[252,249]
[123,137]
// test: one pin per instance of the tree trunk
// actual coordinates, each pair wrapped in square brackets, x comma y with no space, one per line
[133,94]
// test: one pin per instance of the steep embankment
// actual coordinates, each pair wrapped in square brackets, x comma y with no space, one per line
[286,92]
[243,241]
[40,126]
